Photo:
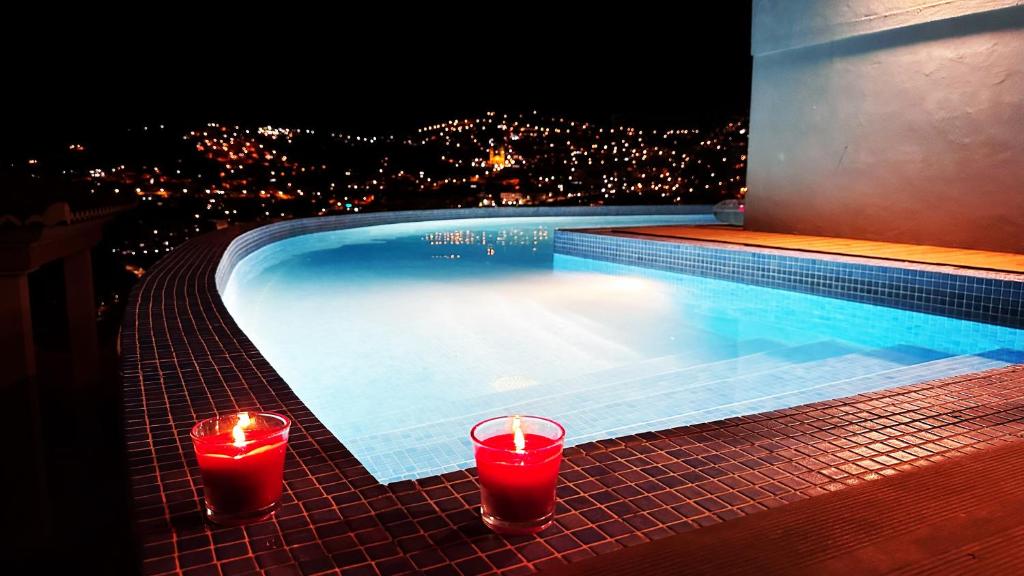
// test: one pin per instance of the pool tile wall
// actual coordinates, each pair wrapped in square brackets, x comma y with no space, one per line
[978,295]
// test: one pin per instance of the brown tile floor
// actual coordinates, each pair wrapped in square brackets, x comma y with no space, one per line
[185,359]
[981,259]
[958,517]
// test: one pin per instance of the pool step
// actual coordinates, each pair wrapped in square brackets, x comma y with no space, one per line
[690,403]
[554,400]
[582,410]
[714,350]
[560,406]
[824,380]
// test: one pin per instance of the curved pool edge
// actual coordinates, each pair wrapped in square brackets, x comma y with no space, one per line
[252,240]
[184,358]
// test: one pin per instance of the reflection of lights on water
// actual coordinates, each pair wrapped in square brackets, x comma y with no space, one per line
[512,383]
[628,284]
[507,237]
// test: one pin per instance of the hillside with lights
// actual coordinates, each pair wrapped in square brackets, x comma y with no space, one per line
[187,180]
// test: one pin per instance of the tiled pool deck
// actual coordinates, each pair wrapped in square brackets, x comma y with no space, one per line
[184,359]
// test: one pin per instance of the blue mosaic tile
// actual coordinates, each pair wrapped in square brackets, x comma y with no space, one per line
[981,296]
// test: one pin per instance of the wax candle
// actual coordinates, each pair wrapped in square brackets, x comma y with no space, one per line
[517,460]
[241,459]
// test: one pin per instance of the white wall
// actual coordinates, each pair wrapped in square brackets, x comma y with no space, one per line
[889,120]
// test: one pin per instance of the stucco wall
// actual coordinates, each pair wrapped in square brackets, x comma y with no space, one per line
[889,120]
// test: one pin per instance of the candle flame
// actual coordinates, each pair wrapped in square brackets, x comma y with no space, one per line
[238,432]
[517,435]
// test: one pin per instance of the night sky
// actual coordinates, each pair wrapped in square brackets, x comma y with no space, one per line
[687,68]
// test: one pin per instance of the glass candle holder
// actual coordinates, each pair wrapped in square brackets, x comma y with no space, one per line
[241,459]
[517,460]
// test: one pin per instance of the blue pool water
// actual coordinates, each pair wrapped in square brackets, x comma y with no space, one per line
[400,337]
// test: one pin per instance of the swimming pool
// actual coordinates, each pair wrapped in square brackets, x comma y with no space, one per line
[399,337]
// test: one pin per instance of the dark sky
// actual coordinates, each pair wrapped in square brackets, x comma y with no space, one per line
[687,67]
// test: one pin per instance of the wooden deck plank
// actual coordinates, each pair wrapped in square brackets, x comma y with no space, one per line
[941,255]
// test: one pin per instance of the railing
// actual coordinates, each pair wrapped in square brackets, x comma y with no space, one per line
[101,212]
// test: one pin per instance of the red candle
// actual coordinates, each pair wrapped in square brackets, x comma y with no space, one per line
[241,458]
[517,460]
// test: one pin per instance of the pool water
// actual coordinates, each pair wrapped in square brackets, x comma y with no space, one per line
[400,337]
